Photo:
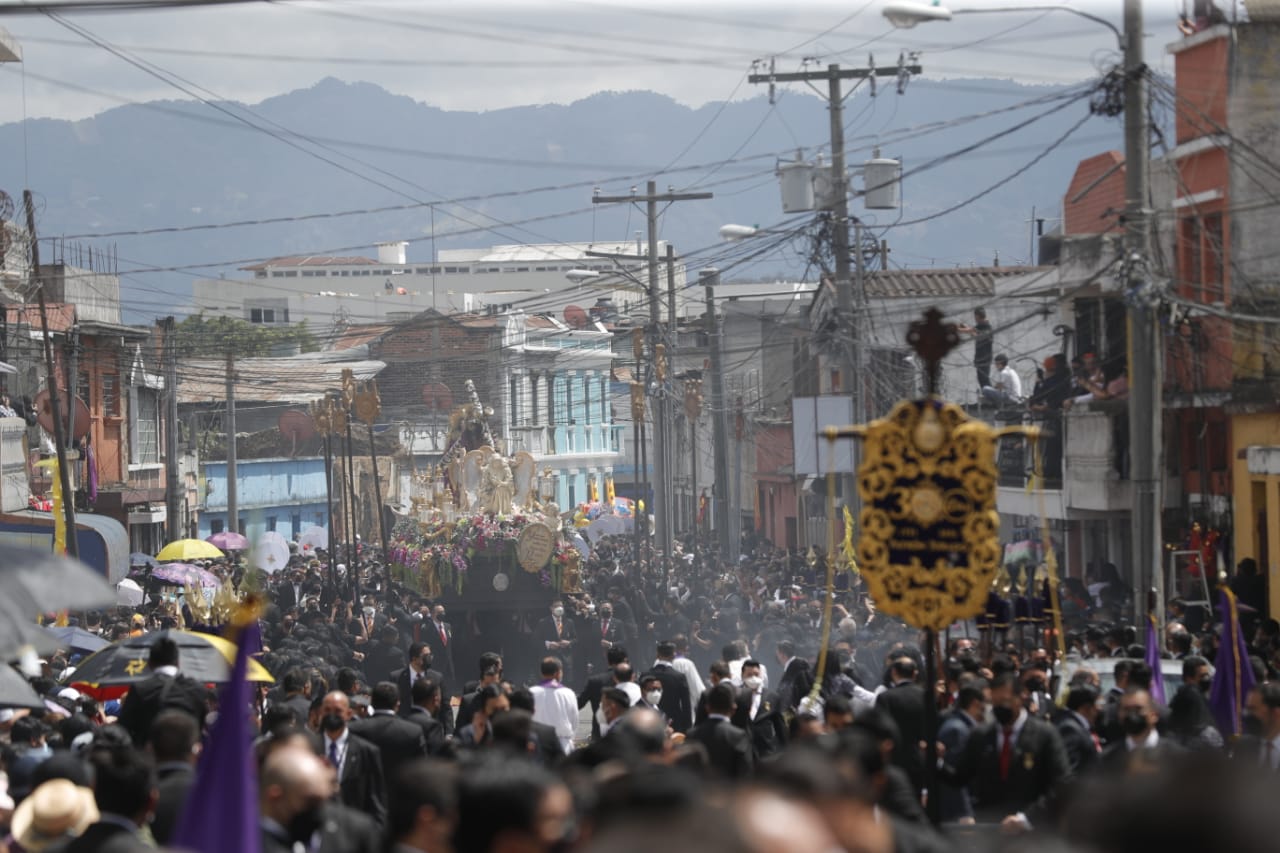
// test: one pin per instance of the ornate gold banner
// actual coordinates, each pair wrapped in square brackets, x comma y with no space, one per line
[929,544]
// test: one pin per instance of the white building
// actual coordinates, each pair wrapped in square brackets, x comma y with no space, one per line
[328,290]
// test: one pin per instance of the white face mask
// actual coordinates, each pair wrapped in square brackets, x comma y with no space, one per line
[753,682]
[557,612]
[653,697]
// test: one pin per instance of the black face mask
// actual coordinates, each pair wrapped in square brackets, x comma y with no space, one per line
[1036,685]
[1251,725]
[333,722]
[1134,723]
[1004,714]
[425,662]
[1205,685]
[305,823]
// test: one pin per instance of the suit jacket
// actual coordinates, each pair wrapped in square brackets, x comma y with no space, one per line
[173,783]
[157,693]
[441,647]
[795,684]
[361,785]
[728,747]
[344,831]
[548,751]
[104,838]
[432,731]
[397,739]
[676,702]
[545,632]
[1082,750]
[382,661]
[905,704]
[768,730]
[592,693]
[401,678]
[1117,759]
[301,706]
[1038,767]
[953,800]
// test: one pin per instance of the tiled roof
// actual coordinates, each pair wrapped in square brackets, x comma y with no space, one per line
[299,379]
[961,281]
[354,336]
[313,261]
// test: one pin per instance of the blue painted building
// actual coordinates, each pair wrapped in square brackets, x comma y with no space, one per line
[286,495]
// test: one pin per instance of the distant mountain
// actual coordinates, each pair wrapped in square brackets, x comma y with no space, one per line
[175,164]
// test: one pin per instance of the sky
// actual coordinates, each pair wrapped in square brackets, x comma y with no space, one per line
[482,55]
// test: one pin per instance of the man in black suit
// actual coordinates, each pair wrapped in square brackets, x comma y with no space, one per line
[953,732]
[758,711]
[490,673]
[904,702]
[420,813]
[358,762]
[385,657]
[556,635]
[1260,750]
[426,702]
[297,694]
[1014,766]
[598,683]
[438,634]
[797,678]
[611,630]
[675,703]
[547,749]
[124,789]
[174,743]
[1141,747]
[289,593]
[293,794]
[165,688]
[395,737]
[419,667]
[1075,727]
[728,747]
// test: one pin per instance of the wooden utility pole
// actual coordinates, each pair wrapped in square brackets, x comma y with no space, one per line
[51,371]
[233,504]
[172,482]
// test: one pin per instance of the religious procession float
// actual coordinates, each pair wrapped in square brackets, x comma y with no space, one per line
[484,529]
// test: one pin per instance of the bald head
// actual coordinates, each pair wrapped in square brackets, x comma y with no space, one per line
[293,780]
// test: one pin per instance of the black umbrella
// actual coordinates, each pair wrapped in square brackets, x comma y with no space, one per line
[77,639]
[137,558]
[15,692]
[204,657]
[19,630]
[42,582]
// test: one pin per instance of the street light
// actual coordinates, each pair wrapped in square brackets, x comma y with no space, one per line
[905,14]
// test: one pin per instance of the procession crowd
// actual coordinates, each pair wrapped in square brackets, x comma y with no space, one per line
[672,705]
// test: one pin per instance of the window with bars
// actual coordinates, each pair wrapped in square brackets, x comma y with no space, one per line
[111,395]
[144,423]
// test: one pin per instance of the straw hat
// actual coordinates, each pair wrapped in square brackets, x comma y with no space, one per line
[56,810]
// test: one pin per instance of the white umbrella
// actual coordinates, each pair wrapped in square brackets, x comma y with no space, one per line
[313,538]
[270,552]
[129,593]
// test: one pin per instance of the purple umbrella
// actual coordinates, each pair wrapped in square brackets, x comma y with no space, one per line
[179,574]
[228,540]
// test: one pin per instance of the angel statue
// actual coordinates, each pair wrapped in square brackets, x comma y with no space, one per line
[498,487]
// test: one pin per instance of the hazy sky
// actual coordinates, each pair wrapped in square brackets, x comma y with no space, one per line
[481,55]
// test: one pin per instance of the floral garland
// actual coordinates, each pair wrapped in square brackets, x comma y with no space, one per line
[435,555]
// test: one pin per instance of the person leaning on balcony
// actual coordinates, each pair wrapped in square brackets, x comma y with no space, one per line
[1109,384]
[1006,385]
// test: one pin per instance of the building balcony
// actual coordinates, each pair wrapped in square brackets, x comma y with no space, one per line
[567,440]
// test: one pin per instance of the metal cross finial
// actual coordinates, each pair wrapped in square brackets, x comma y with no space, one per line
[932,340]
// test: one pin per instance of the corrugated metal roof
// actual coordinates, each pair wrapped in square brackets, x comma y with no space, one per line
[354,336]
[275,380]
[962,281]
[314,261]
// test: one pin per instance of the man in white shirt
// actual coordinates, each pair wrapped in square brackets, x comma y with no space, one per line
[556,705]
[1006,385]
[734,654]
[686,667]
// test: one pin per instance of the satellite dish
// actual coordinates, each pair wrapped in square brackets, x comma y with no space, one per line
[437,396]
[576,317]
[296,426]
[44,413]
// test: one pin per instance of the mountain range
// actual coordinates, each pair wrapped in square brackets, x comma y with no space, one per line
[527,174]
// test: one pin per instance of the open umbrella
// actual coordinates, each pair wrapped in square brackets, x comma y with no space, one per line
[189,549]
[15,692]
[137,558]
[228,540]
[107,674]
[313,538]
[180,574]
[77,639]
[19,632]
[42,582]
[270,553]
[129,593]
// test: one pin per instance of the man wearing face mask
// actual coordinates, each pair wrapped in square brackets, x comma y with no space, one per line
[556,635]
[650,694]
[1260,747]
[1075,727]
[1142,745]
[758,713]
[1015,766]
[357,762]
[419,669]
[294,791]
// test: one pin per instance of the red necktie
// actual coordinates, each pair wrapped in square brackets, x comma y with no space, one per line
[1097,743]
[604,628]
[1006,754]
[444,638]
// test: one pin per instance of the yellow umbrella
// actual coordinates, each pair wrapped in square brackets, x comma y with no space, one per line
[189,549]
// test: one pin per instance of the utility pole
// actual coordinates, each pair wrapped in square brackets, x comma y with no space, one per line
[172,485]
[233,507]
[710,277]
[674,462]
[1146,353]
[651,198]
[51,371]
[847,324]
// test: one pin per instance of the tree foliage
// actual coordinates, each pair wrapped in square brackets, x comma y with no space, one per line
[199,335]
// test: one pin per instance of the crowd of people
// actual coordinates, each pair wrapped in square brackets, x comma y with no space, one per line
[678,704]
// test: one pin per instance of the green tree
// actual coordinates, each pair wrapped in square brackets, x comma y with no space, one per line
[199,335]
